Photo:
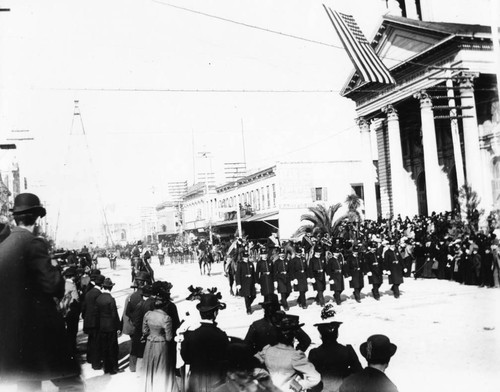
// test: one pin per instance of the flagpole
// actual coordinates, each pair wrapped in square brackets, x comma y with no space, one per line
[495,22]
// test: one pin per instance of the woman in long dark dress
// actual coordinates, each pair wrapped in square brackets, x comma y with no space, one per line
[158,366]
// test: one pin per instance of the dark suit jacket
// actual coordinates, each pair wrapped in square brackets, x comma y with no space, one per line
[32,331]
[89,309]
[262,332]
[368,380]
[205,349]
[107,313]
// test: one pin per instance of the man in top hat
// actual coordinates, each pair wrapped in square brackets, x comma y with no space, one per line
[264,271]
[33,344]
[205,348]
[378,351]
[335,269]
[284,362]
[298,266]
[333,360]
[109,327]
[263,331]
[355,271]
[245,281]
[283,277]
[91,321]
[316,273]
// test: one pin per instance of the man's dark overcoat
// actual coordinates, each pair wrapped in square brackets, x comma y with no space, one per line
[265,277]
[245,277]
[368,379]
[355,271]
[334,362]
[282,275]
[373,266]
[33,344]
[394,264]
[299,272]
[317,272]
[335,269]
[205,350]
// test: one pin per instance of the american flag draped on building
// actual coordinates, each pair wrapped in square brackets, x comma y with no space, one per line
[361,53]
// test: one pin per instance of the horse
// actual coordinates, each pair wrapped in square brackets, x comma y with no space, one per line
[205,260]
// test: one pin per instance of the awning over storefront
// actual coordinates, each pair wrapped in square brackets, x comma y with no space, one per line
[264,217]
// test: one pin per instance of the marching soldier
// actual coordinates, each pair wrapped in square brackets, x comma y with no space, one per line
[245,281]
[282,278]
[317,275]
[335,269]
[265,277]
[299,274]
[394,266]
[375,270]
[355,272]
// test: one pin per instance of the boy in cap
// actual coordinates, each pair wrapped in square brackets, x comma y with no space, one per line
[377,351]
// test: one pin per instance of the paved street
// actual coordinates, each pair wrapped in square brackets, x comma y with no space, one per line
[447,333]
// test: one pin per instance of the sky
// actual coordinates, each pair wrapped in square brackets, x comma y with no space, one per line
[135,66]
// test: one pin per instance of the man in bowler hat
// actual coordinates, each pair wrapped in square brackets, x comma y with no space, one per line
[377,351]
[33,342]
[205,348]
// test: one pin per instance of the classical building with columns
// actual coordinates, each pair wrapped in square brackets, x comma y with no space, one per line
[437,128]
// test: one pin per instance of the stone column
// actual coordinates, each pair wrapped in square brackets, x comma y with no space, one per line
[369,175]
[436,182]
[396,160]
[473,165]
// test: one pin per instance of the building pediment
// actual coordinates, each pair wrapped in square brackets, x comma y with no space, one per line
[399,41]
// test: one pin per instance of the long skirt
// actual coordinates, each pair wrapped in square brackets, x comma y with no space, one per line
[158,367]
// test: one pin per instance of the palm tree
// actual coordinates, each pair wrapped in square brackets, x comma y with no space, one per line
[469,205]
[353,215]
[321,219]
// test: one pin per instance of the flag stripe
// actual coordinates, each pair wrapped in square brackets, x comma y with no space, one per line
[361,53]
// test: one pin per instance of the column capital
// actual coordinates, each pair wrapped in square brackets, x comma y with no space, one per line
[424,98]
[465,79]
[363,124]
[391,111]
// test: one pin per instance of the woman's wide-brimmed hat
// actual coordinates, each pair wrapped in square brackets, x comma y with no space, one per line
[378,349]
[210,302]
[28,203]
[328,326]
